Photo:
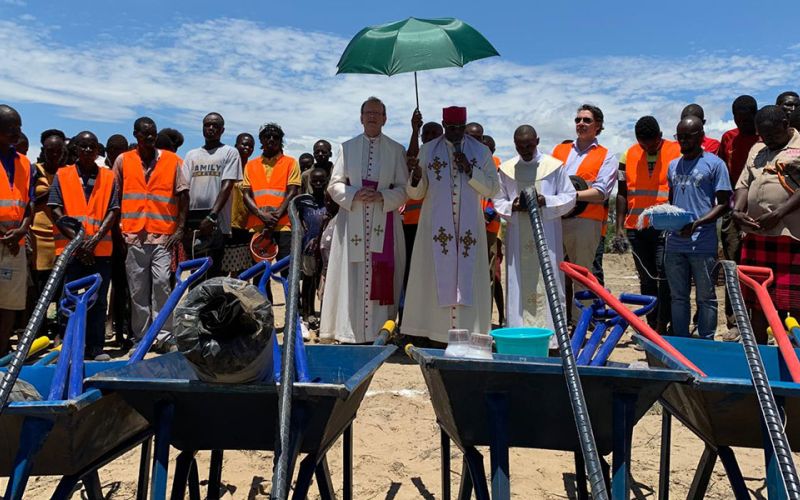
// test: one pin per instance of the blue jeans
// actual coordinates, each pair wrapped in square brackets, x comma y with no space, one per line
[680,269]
[96,316]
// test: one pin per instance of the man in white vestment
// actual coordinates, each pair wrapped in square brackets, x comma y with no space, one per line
[526,304]
[367,257]
[448,285]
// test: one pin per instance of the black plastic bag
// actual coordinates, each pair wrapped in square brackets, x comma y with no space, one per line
[224,327]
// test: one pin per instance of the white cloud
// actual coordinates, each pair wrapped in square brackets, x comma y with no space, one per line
[252,74]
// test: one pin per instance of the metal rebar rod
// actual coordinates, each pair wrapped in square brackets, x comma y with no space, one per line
[758,374]
[579,409]
[40,310]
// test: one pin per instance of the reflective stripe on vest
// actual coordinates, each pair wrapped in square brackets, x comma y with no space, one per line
[149,205]
[91,212]
[14,198]
[269,192]
[646,189]
[587,170]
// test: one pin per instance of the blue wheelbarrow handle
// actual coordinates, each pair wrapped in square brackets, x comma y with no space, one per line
[281,264]
[90,285]
[646,301]
[254,271]
[198,267]
[584,295]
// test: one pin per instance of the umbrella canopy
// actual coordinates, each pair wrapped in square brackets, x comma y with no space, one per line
[414,45]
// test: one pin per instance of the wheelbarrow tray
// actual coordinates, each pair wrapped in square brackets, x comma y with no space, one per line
[722,408]
[85,429]
[540,414]
[213,416]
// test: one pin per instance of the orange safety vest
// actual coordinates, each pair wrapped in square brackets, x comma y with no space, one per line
[152,205]
[645,189]
[14,199]
[494,226]
[588,170]
[411,211]
[269,192]
[91,213]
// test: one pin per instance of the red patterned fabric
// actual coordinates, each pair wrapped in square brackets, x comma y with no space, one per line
[782,255]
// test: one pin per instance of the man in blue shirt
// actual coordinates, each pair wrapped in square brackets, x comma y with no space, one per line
[698,183]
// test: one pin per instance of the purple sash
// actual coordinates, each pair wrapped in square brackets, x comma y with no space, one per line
[382,288]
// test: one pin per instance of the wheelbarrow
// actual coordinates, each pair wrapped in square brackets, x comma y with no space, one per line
[75,431]
[181,408]
[743,401]
[192,415]
[498,403]
[722,409]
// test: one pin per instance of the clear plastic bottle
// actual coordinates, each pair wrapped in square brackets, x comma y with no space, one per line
[457,343]
[480,346]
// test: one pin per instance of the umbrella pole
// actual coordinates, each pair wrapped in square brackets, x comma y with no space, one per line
[416,89]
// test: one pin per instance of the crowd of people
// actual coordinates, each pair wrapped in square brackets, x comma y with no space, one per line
[417,233]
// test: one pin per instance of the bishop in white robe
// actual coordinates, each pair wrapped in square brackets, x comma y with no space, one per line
[448,284]
[526,302]
[367,257]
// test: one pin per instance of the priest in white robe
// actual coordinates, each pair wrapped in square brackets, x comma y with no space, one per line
[526,302]
[367,258]
[448,284]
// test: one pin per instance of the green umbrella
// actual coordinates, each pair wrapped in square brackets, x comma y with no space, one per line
[414,45]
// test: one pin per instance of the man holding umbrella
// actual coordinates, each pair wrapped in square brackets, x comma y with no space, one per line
[454,172]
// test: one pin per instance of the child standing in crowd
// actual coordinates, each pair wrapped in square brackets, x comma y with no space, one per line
[314,216]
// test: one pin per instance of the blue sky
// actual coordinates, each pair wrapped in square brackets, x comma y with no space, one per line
[98,65]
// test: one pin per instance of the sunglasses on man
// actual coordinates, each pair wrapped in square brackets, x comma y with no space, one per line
[585,119]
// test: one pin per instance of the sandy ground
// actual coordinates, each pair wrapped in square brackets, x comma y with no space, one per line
[396,446]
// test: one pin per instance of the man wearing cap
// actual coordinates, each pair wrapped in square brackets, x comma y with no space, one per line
[448,286]
[363,282]
[270,182]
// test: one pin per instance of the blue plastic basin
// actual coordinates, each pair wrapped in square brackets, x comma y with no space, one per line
[670,222]
[526,341]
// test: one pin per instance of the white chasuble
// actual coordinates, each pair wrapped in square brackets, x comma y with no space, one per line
[448,283]
[526,302]
[356,302]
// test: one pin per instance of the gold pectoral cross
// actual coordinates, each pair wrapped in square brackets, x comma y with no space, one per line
[437,167]
[356,240]
[443,238]
[468,241]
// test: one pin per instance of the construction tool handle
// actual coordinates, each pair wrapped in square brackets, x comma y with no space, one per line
[583,276]
[385,333]
[638,300]
[40,310]
[197,267]
[83,289]
[761,276]
[749,275]
[254,270]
